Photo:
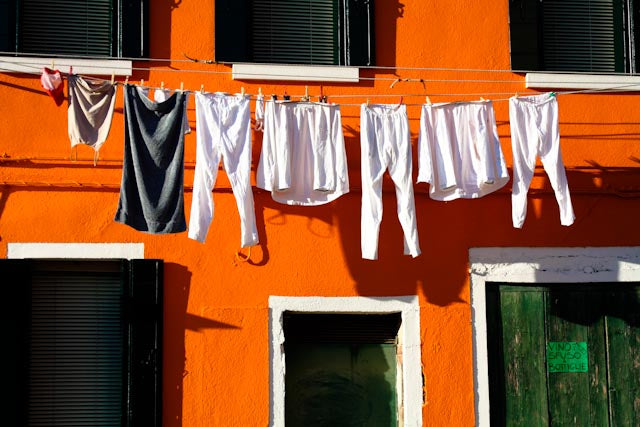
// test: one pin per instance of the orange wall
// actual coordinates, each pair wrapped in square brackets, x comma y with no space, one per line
[216,361]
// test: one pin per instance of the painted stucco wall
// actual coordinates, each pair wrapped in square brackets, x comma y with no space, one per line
[216,348]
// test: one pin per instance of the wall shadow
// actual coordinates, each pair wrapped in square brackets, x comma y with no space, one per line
[177,283]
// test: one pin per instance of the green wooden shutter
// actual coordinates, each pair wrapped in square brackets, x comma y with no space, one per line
[132,39]
[76,344]
[583,35]
[232,20]
[144,342]
[294,31]
[15,283]
[70,27]
[524,22]
[360,35]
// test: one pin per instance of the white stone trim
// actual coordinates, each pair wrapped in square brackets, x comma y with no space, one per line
[408,337]
[536,265]
[619,83]
[95,67]
[310,73]
[76,250]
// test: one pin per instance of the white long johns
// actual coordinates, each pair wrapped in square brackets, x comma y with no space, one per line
[303,159]
[223,123]
[385,143]
[459,151]
[534,131]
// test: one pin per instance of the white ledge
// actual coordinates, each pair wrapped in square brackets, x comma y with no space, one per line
[95,67]
[314,73]
[583,81]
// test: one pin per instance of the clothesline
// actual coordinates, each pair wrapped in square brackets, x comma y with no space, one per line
[367,67]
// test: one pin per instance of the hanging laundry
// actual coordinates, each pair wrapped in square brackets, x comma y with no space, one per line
[91,105]
[303,159]
[161,95]
[385,144]
[52,83]
[535,132]
[459,152]
[151,194]
[223,122]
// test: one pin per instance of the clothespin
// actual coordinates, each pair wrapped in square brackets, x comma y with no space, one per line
[305,98]
[259,91]
[202,88]
[552,94]
[242,91]
[181,86]
[126,80]
[162,85]
[274,97]
[53,64]
[286,96]
[482,99]
[141,82]
[428,100]
[367,102]
[113,77]
[321,97]
[517,94]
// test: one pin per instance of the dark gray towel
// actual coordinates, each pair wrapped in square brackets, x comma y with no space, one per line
[151,194]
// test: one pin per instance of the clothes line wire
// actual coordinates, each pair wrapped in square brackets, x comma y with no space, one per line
[366,67]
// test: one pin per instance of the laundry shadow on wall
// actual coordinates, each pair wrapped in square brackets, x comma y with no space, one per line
[177,283]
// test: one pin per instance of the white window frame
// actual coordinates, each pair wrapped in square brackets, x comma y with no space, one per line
[408,337]
[76,250]
[535,265]
[615,83]
[93,67]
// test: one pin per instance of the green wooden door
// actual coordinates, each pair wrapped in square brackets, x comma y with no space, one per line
[564,354]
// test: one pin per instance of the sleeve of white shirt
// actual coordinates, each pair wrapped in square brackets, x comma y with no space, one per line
[425,165]
[342,172]
[265,171]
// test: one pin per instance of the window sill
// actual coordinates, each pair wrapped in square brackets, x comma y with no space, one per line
[619,83]
[314,73]
[31,65]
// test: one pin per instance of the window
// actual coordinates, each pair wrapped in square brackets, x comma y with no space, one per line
[575,35]
[342,369]
[111,28]
[83,342]
[332,32]
[345,361]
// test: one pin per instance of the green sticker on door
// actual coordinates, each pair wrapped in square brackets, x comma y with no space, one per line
[567,356]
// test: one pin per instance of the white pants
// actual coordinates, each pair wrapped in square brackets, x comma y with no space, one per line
[385,143]
[459,151]
[534,131]
[223,123]
[303,159]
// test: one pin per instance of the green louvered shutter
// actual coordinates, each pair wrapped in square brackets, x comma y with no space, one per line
[144,343]
[71,27]
[110,28]
[295,31]
[583,35]
[76,344]
[524,23]
[15,286]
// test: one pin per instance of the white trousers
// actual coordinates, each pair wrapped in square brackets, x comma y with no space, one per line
[303,159]
[385,143]
[223,123]
[535,131]
[459,151]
